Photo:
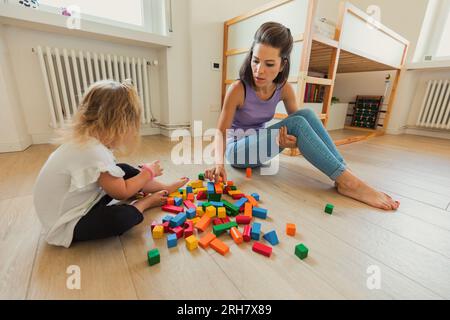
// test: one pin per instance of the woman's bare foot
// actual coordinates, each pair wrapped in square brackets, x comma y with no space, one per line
[176,185]
[351,186]
[151,201]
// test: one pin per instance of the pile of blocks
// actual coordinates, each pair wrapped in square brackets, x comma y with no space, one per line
[202,205]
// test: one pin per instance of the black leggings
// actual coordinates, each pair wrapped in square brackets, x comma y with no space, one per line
[104,221]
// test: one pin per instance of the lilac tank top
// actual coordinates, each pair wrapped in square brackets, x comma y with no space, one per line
[255,113]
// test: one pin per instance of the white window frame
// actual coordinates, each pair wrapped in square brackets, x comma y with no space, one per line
[436,32]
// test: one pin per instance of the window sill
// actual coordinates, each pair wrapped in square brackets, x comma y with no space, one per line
[51,22]
[443,64]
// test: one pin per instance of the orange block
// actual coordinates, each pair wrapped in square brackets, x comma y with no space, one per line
[204,222]
[237,236]
[252,200]
[190,197]
[248,210]
[230,183]
[219,246]
[249,172]
[206,240]
[218,188]
[170,201]
[291,229]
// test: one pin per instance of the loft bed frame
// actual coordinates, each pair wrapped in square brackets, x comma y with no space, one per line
[360,44]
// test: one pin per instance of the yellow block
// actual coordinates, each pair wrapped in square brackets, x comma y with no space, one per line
[158,232]
[195,220]
[211,211]
[184,196]
[232,192]
[221,213]
[200,211]
[191,243]
[197,184]
[175,195]
[202,189]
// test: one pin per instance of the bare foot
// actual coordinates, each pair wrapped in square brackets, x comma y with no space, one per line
[353,187]
[154,200]
[176,185]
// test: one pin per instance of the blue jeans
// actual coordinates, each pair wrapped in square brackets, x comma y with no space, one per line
[313,141]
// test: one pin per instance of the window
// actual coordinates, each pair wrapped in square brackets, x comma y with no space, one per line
[125,12]
[443,49]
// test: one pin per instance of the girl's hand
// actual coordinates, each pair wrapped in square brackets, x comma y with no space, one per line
[285,140]
[155,167]
[216,173]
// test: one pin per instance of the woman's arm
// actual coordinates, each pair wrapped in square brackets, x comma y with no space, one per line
[121,189]
[289,99]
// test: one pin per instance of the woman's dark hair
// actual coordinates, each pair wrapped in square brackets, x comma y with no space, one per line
[277,36]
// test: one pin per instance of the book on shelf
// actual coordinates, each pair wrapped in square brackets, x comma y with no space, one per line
[314,93]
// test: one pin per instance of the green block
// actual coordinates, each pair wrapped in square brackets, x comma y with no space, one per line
[232,210]
[234,188]
[153,257]
[329,209]
[301,251]
[221,228]
[201,176]
[205,205]
[214,197]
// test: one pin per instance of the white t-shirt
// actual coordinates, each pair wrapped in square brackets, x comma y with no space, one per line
[67,188]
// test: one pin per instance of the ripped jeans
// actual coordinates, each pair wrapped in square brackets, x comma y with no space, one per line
[313,141]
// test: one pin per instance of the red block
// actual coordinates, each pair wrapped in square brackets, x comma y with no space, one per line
[243,220]
[237,196]
[226,220]
[188,204]
[217,221]
[246,234]
[172,209]
[262,249]
[178,231]
[154,224]
[188,229]
[226,189]
[201,195]
[166,226]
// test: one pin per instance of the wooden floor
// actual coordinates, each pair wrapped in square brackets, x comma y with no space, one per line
[411,247]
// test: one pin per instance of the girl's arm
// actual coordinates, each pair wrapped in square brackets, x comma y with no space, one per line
[121,189]
[289,100]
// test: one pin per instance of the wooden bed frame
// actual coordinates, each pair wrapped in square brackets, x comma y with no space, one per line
[348,52]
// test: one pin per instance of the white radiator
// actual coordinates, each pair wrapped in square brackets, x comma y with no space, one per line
[435,111]
[67,75]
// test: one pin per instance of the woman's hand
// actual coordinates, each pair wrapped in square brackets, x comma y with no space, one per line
[216,173]
[156,168]
[285,140]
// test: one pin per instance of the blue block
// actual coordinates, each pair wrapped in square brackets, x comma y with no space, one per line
[178,220]
[240,202]
[167,218]
[178,201]
[256,196]
[259,213]
[189,189]
[210,188]
[191,213]
[271,237]
[256,231]
[216,204]
[172,240]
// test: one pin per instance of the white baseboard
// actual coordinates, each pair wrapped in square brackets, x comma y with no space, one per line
[15,146]
[428,133]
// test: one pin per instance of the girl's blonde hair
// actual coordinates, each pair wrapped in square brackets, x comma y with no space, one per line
[110,112]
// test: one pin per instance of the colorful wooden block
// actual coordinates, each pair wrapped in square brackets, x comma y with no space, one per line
[172,240]
[189,189]
[230,183]
[210,188]
[221,213]
[201,195]
[158,232]
[178,220]
[236,235]
[153,257]
[191,213]
[246,234]
[248,210]
[178,201]
[240,203]
[167,218]
[255,196]
[211,211]
[248,172]
[231,207]
[218,188]
[195,220]
[205,205]
[271,237]
[256,231]
[191,243]
[221,228]
[252,200]
[216,204]
[188,229]
[262,249]
[259,213]
[178,231]
[200,212]
[190,197]
[201,176]
[153,225]
[204,223]
[172,209]
[219,246]
[329,208]
[301,251]
[217,221]
[291,229]
[243,220]
[226,220]
[197,184]
[214,197]
[188,204]
[206,240]
[166,226]
[170,201]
